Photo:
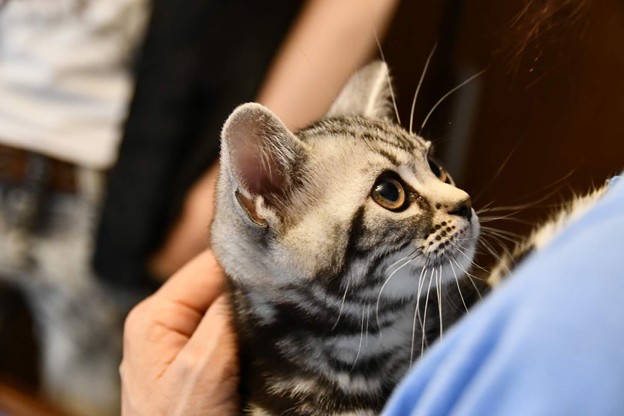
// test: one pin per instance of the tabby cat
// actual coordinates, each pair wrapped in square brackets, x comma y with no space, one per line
[345,245]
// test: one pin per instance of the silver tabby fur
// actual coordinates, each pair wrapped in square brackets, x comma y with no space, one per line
[334,294]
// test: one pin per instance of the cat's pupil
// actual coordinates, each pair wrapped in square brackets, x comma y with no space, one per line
[389,193]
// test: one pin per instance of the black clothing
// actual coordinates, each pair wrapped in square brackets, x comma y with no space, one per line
[200,59]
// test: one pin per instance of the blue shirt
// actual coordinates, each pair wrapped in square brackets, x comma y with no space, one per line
[549,341]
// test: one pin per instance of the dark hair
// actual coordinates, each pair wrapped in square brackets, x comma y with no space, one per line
[539,17]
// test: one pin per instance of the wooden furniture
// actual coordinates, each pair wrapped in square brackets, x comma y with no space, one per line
[16,401]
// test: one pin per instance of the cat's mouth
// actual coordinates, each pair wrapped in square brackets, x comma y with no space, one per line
[451,243]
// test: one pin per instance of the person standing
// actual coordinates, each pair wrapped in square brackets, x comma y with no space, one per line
[65,86]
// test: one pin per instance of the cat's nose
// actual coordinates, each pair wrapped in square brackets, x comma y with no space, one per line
[463,209]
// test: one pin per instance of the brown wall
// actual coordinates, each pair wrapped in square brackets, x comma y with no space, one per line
[556,110]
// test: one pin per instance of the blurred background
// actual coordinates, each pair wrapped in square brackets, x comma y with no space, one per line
[544,119]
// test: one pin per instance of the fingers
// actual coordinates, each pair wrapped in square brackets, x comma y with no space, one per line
[214,333]
[161,325]
[180,354]
[210,360]
[196,285]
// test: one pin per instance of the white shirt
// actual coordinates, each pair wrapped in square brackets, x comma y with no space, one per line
[65,81]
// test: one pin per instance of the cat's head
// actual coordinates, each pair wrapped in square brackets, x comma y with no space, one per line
[350,198]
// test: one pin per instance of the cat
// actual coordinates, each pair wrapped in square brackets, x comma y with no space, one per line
[333,238]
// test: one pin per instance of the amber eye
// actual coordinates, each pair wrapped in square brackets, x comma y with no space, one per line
[439,171]
[389,193]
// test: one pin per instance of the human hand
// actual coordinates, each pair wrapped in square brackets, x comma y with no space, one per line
[180,353]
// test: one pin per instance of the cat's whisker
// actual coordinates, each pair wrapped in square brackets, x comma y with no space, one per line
[401,259]
[484,207]
[512,237]
[490,249]
[556,182]
[383,58]
[439,293]
[469,258]
[383,286]
[498,241]
[357,356]
[485,219]
[367,322]
[460,239]
[496,175]
[344,297]
[490,210]
[445,96]
[461,296]
[537,191]
[514,208]
[411,361]
[423,331]
[520,207]
[416,311]
[420,82]
[469,276]
[530,194]
[463,270]
[492,230]
[407,261]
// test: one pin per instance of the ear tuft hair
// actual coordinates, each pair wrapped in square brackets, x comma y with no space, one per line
[367,93]
[259,150]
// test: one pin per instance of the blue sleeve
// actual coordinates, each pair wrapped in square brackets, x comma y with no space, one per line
[550,341]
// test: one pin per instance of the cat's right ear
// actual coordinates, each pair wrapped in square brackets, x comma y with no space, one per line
[260,153]
[367,93]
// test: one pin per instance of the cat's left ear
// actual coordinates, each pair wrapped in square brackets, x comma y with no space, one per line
[367,93]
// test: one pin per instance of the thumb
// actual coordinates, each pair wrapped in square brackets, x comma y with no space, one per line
[209,363]
[214,343]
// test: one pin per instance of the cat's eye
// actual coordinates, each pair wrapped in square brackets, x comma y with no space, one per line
[389,193]
[439,171]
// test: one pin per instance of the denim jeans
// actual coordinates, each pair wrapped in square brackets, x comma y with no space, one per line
[46,241]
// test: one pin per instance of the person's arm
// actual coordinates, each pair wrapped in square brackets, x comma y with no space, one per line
[328,43]
[180,352]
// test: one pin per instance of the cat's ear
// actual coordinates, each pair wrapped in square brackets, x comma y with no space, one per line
[367,93]
[260,152]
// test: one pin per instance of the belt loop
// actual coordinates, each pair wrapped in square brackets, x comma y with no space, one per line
[90,184]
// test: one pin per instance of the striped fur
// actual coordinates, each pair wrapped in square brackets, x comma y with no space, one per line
[334,295]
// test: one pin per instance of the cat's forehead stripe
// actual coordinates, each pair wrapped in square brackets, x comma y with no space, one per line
[391,157]
[367,129]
